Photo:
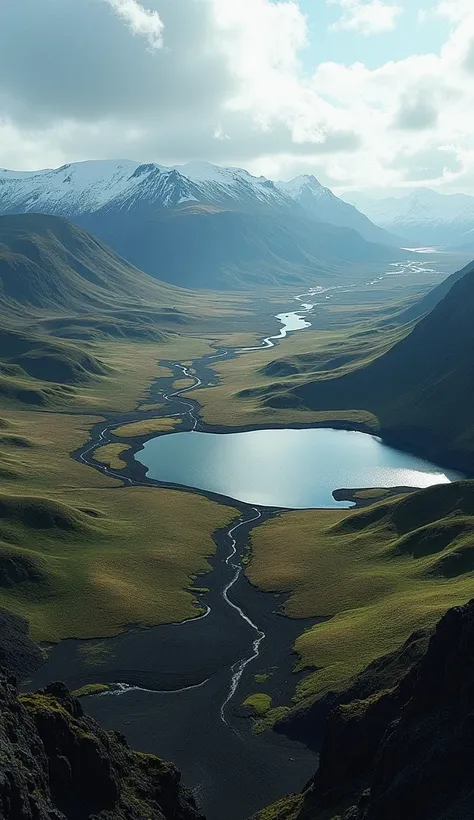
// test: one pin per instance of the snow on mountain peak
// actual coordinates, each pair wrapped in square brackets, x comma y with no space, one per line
[90,186]
[124,186]
[303,183]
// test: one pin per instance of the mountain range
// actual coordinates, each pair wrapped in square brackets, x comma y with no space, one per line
[200,225]
[422,216]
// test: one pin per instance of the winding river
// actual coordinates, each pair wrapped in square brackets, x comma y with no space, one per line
[181,680]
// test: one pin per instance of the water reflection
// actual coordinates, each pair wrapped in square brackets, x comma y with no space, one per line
[285,468]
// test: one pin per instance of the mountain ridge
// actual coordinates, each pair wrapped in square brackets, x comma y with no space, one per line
[253,233]
[420,389]
[324,205]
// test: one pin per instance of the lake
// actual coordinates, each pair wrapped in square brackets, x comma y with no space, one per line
[297,469]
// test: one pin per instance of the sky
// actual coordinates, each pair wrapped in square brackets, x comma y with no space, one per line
[369,95]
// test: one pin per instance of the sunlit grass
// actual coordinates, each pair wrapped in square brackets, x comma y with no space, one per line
[377,574]
[111,455]
[109,555]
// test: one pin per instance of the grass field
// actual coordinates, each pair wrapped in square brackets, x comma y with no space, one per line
[133,365]
[147,427]
[80,555]
[111,455]
[182,384]
[378,574]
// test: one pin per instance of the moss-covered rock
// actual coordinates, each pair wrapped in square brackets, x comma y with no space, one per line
[56,763]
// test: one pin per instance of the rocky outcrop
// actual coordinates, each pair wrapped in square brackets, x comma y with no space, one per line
[308,722]
[406,750]
[18,653]
[424,765]
[57,764]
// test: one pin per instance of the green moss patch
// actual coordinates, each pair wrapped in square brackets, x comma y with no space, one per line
[259,703]
[91,689]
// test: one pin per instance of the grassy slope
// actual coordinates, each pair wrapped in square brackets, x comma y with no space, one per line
[111,455]
[380,574]
[68,302]
[422,388]
[259,387]
[198,246]
[47,262]
[92,558]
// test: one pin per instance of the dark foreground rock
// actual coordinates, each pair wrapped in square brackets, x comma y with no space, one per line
[405,750]
[57,764]
[18,653]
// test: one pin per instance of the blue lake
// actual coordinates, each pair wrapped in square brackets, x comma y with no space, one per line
[298,469]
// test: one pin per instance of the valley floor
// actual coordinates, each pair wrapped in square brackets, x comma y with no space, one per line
[85,554]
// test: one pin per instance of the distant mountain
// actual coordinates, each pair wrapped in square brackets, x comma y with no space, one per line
[325,206]
[422,389]
[422,217]
[89,187]
[198,225]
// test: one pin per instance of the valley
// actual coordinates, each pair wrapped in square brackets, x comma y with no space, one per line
[236,428]
[235,646]
[201,612]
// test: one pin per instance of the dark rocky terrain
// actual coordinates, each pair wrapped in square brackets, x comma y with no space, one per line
[405,749]
[57,764]
[18,653]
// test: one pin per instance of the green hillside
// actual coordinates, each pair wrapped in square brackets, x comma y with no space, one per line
[48,263]
[378,574]
[65,297]
[421,390]
[203,246]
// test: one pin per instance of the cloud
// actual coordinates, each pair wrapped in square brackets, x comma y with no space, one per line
[224,81]
[141,21]
[367,16]
[417,110]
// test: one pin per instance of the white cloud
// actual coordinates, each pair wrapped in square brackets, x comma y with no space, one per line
[142,21]
[367,16]
[230,87]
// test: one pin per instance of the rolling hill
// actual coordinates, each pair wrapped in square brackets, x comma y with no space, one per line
[60,290]
[200,225]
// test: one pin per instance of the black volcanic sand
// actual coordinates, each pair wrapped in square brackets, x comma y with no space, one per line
[233,771]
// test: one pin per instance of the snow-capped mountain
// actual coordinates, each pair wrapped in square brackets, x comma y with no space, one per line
[422,216]
[200,224]
[87,187]
[325,206]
